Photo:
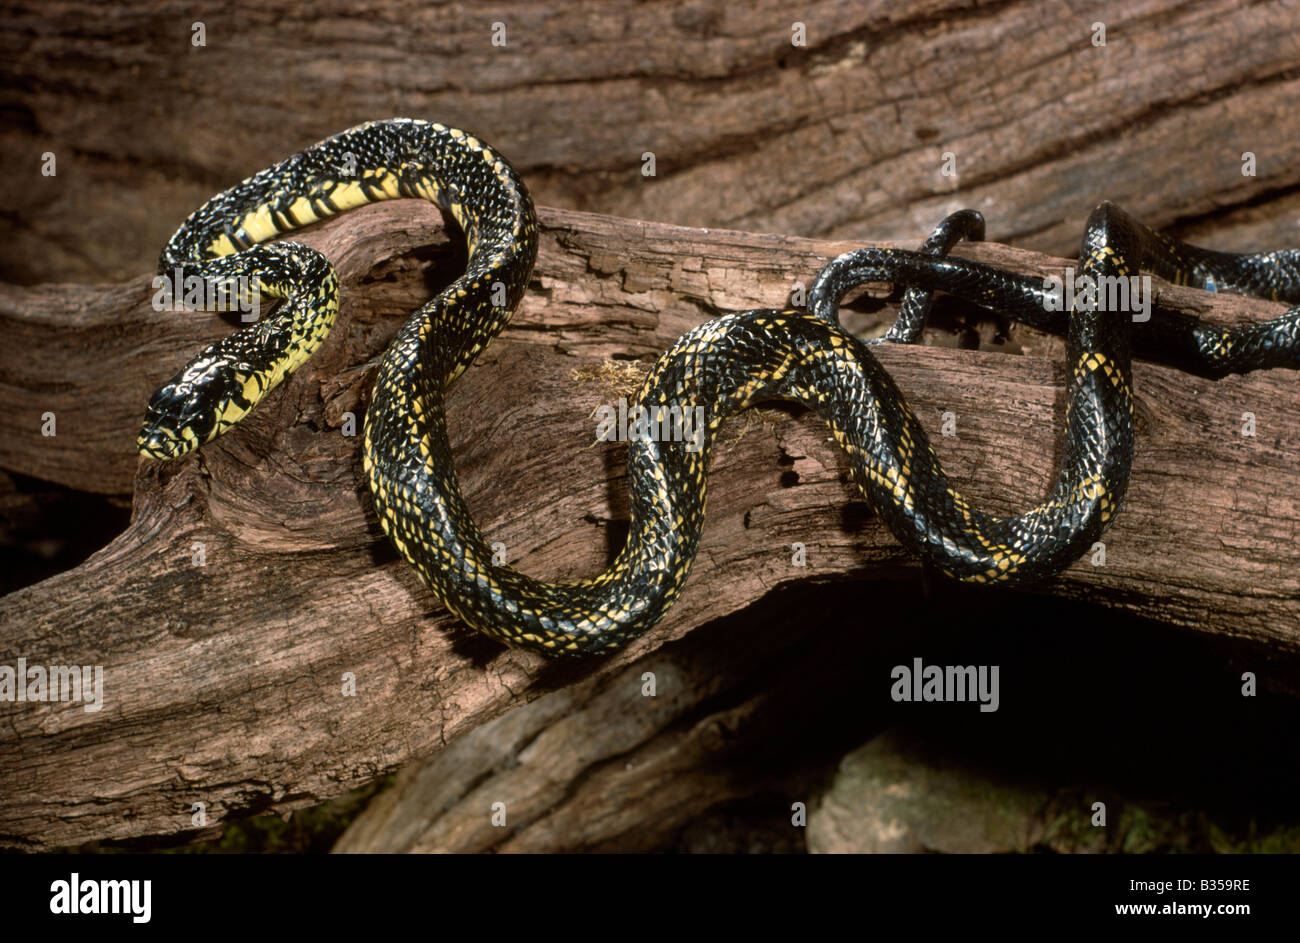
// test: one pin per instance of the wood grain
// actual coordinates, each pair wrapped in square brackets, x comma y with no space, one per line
[841,137]
[224,682]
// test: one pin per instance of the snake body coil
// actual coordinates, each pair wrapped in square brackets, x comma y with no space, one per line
[722,366]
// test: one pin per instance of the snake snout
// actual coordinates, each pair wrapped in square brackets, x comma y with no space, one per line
[160,444]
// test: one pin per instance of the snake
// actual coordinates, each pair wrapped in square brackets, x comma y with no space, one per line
[800,354]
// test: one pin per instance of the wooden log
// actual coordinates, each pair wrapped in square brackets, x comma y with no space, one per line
[253,582]
[624,763]
[840,133]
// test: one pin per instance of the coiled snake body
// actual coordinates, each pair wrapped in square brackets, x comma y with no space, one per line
[723,365]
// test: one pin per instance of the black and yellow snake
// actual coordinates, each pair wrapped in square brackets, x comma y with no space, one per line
[722,366]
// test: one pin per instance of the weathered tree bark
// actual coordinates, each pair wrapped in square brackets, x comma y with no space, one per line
[839,132]
[623,762]
[225,680]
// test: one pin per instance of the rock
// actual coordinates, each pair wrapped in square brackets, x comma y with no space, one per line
[897,795]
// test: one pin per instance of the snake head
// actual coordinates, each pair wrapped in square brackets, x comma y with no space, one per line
[185,413]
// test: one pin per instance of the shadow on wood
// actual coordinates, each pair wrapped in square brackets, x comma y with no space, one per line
[253,585]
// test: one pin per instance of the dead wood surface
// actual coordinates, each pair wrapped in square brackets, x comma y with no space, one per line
[622,762]
[717,741]
[224,682]
[842,137]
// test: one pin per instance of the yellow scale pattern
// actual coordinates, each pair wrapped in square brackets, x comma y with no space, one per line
[738,358]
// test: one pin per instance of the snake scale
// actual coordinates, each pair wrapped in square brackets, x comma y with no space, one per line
[723,365]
